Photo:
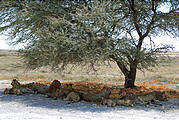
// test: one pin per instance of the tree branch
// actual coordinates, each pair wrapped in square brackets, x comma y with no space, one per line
[121,65]
[129,32]
[132,8]
[152,20]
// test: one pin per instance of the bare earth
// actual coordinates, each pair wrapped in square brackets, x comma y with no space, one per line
[37,107]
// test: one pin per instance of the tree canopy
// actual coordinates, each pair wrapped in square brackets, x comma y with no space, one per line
[66,32]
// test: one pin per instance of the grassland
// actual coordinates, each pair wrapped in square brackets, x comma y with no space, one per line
[167,72]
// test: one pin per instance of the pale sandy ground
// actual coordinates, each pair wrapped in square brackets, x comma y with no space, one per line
[37,107]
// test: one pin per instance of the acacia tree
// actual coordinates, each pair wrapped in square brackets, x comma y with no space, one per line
[76,32]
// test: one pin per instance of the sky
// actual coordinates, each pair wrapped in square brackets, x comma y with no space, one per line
[164,40]
[4,44]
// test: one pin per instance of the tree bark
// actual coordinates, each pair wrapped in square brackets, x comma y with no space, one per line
[130,79]
[131,76]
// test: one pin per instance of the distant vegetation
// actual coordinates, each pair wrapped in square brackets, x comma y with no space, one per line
[167,72]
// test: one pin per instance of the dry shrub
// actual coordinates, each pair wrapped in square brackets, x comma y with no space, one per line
[172,82]
[170,93]
[45,82]
[157,83]
[116,91]
[84,86]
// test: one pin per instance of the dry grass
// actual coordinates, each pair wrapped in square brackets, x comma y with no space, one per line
[168,70]
[10,64]
[117,90]
[161,78]
[167,73]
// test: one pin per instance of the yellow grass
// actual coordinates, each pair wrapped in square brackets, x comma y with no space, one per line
[158,79]
[167,72]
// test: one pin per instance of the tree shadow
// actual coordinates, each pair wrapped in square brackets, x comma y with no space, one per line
[38,100]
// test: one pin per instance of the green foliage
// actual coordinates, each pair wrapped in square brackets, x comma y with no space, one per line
[57,33]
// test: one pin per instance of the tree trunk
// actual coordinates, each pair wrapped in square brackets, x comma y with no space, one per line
[130,79]
[130,75]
